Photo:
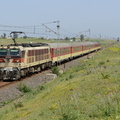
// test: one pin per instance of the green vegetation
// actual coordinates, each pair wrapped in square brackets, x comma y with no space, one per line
[55,70]
[23,88]
[27,40]
[89,91]
[7,41]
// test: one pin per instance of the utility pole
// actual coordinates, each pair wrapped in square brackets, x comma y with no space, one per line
[58,35]
[58,31]
[58,40]
[89,33]
[34,29]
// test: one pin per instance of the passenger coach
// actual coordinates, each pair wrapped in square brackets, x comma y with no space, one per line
[66,51]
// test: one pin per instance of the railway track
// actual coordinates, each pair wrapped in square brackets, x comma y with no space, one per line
[3,83]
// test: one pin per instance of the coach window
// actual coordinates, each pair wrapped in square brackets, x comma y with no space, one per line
[59,51]
[66,50]
[55,52]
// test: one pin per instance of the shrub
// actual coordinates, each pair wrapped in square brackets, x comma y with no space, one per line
[101,63]
[41,87]
[68,117]
[105,76]
[23,88]
[71,76]
[55,70]
[108,61]
[17,105]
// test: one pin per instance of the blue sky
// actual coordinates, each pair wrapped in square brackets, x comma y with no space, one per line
[102,17]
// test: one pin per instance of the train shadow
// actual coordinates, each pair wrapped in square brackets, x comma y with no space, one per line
[7,80]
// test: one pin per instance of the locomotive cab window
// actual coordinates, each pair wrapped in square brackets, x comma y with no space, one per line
[14,52]
[3,52]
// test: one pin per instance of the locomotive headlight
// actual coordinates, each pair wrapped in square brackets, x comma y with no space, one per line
[2,61]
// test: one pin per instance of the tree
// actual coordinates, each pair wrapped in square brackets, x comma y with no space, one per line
[24,37]
[66,38]
[4,35]
[74,38]
[81,37]
[118,39]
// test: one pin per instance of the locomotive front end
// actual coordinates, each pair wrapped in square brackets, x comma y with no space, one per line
[9,73]
[10,62]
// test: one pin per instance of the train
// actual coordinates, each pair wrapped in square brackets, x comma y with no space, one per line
[19,60]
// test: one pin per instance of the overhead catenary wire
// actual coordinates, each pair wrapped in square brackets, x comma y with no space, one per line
[38,30]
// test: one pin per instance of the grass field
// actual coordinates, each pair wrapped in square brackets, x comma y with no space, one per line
[90,91]
[34,40]
[38,40]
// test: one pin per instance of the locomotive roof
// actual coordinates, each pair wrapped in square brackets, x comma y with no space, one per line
[30,44]
[25,45]
[58,45]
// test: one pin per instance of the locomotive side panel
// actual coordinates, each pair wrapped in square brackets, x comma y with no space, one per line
[36,56]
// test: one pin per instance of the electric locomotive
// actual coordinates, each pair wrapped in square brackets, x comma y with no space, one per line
[17,61]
